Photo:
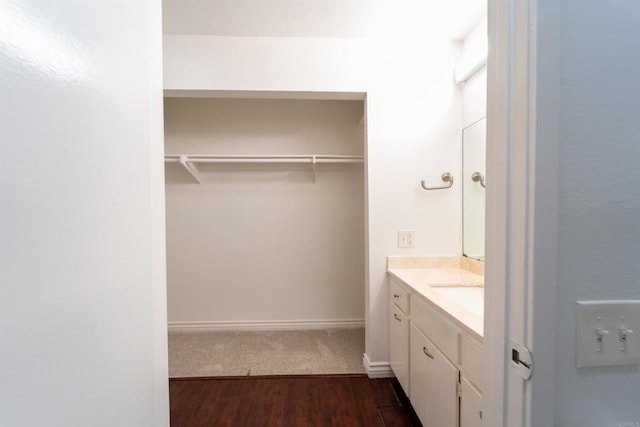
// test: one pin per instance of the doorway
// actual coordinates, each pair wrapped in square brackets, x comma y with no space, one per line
[265,235]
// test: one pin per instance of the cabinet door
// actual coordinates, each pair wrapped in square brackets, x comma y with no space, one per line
[399,346]
[470,405]
[433,383]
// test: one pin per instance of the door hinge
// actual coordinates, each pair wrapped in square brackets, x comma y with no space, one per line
[459,389]
[520,360]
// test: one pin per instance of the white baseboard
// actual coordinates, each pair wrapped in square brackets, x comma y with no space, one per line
[264,325]
[377,369]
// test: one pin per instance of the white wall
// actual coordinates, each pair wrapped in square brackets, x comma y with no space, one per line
[82,291]
[599,196]
[254,244]
[413,125]
[264,63]
[474,90]
[413,111]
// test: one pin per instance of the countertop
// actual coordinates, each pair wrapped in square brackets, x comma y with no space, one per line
[454,286]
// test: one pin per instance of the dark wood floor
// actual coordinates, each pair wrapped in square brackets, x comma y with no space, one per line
[314,400]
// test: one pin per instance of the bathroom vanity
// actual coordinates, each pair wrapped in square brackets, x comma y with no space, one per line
[436,312]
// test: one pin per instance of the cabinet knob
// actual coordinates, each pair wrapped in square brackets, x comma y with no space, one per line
[396,296]
[395,316]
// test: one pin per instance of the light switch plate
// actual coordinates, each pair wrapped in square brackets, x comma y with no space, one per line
[607,333]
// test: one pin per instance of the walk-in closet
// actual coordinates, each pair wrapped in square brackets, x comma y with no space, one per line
[265,232]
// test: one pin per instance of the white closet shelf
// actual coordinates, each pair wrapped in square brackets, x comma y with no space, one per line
[189,160]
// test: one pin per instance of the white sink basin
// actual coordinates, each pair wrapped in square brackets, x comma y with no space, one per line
[469,297]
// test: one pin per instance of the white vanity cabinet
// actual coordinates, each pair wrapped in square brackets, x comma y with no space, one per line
[436,360]
[399,334]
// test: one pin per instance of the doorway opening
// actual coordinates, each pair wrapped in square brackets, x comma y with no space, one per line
[265,235]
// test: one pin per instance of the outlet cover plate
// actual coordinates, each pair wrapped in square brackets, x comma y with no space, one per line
[406,238]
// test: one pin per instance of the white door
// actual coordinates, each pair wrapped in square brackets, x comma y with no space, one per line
[82,289]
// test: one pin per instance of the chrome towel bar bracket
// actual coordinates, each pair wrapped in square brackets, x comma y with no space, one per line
[478,177]
[446,177]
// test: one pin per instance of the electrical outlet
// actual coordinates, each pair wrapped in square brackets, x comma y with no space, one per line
[406,239]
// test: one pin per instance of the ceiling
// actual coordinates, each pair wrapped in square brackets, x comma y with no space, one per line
[320,18]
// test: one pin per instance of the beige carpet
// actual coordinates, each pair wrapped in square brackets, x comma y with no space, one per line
[201,354]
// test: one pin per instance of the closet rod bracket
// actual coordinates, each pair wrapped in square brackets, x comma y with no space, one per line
[313,167]
[190,167]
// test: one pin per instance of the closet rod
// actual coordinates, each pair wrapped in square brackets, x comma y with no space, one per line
[189,161]
[263,159]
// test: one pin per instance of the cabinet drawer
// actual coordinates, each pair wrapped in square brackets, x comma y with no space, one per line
[437,328]
[471,360]
[399,295]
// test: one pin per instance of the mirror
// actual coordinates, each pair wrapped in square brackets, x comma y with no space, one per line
[473,188]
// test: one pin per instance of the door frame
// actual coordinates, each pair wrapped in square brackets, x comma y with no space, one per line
[522,192]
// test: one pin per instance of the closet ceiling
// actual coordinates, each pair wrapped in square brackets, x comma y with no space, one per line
[318,18]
